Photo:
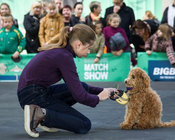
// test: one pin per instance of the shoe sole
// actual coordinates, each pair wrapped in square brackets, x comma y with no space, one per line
[27,122]
[47,129]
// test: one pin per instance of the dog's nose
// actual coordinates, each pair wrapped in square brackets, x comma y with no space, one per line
[125,81]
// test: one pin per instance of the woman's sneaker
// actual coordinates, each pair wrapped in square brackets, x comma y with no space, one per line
[33,115]
[48,129]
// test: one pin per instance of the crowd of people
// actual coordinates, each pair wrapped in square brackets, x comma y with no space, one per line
[116,33]
[59,33]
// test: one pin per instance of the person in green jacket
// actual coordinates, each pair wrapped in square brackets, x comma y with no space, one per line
[12,40]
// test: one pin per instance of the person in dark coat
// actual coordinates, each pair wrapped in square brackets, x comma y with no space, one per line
[169,17]
[126,14]
[31,25]
[152,21]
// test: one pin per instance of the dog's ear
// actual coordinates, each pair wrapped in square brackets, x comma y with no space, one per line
[146,79]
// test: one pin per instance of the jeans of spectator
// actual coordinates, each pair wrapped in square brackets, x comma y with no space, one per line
[57,100]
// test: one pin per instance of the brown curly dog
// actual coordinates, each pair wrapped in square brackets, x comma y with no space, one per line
[144,109]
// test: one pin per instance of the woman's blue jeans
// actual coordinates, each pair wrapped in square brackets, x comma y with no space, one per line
[57,100]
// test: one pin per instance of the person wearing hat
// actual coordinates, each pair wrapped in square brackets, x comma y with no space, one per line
[117,44]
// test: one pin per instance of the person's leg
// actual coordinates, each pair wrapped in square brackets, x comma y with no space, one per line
[61,92]
[59,114]
[63,116]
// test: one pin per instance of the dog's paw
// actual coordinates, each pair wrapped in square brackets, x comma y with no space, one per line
[137,126]
[125,126]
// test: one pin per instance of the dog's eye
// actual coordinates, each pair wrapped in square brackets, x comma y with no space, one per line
[133,77]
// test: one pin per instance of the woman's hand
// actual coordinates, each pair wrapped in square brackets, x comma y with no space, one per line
[106,93]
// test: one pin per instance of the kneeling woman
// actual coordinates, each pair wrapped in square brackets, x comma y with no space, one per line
[47,104]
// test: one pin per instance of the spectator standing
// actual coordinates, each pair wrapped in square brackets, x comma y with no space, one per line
[31,25]
[12,40]
[152,21]
[67,13]
[99,44]
[77,16]
[5,10]
[95,8]
[59,5]
[169,17]
[50,26]
[111,31]
[44,9]
[160,42]
[126,14]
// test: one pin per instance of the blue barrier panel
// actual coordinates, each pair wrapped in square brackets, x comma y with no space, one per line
[157,66]
[109,68]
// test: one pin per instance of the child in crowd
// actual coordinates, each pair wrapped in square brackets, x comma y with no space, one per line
[161,42]
[50,104]
[5,10]
[99,44]
[50,25]
[111,36]
[77,16]
[12,40]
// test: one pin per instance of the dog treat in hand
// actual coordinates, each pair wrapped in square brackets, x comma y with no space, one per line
[119,96]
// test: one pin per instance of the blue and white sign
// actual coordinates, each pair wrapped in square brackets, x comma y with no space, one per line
[161,70]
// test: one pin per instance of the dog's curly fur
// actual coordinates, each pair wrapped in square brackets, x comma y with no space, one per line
[144,109]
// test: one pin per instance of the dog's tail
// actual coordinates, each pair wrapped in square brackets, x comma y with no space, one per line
[167,124]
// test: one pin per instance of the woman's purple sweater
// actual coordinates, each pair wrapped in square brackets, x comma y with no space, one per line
[48,67]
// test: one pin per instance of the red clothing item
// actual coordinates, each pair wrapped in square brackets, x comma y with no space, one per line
[110,31]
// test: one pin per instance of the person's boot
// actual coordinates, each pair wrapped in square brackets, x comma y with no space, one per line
[33,115]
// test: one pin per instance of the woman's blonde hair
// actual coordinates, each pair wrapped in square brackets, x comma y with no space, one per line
[81,32]
[34,5]
[150,15]
[166,31]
